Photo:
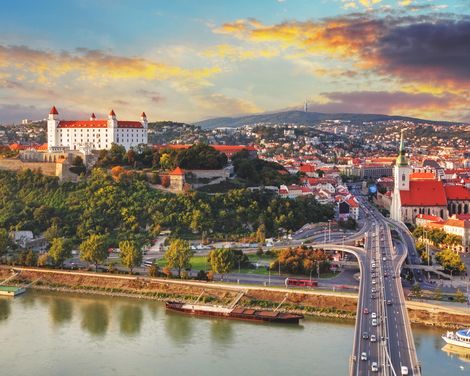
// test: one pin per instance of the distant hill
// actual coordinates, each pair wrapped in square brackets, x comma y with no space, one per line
[301,117]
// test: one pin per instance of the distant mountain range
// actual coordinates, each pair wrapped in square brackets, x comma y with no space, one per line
[306,118]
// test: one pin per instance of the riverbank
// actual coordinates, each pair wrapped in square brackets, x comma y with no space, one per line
[308,302]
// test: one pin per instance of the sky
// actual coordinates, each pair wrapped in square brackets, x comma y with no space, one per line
[187,60]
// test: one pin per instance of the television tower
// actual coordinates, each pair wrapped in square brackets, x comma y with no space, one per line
[306,106]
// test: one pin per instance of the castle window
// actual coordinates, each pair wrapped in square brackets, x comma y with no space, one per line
[403,177]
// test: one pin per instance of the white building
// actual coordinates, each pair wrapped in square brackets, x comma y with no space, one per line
[94,134]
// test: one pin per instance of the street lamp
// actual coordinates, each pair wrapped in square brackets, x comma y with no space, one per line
[329,231]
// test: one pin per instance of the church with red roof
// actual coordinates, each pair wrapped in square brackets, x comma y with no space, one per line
[94,134]
[417,193]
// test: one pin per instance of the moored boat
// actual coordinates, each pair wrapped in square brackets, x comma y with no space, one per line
[234,313]
[459,338]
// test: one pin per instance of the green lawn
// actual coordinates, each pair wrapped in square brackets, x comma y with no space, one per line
[200,263]
[197,262]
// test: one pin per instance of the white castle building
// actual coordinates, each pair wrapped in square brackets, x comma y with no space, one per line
[94,134]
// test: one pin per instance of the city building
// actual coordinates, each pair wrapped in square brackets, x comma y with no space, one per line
[417,192]
[94,134]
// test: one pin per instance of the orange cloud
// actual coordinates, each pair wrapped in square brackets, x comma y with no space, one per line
[430,50]
[93,65]
[236,53]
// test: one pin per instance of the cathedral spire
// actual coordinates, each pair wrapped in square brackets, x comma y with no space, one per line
[401,159]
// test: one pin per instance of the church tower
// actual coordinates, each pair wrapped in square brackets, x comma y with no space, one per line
[52,123]
[402,170]
[401,175]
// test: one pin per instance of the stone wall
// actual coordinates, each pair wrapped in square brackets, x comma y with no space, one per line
[46,168]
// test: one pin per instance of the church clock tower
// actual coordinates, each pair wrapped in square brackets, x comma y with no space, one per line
[401,175]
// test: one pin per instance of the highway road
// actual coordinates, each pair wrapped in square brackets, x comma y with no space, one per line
[381,309]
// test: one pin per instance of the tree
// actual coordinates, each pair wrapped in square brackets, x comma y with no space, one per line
[153,270]
[167,272]
[94,249]
[437,294]
[450,261]
[52,233]
[460,296]
[131,254]
[4,241]
[43,260]
[221,261]
[302,260]
[77,165]
[416,290]
[165,161]
[31,258]
[178,255]
[261,233]
[452,240]
[60,250]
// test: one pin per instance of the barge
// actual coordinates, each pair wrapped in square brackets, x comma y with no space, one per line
[234,313]
[11,290]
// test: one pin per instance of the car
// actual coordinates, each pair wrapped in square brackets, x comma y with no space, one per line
[374,367]
[363,356]
[373,290]
[373,338]
[374,322]
[366,311]
[374,315]
[389,302]
[385,275]
[373,275]
[372,266]
[365,335]
[384,259]
[373,281]
[372,296]
[404,370]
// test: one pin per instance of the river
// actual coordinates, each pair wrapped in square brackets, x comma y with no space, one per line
[46,333]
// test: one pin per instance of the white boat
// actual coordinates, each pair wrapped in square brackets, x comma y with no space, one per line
[459,338]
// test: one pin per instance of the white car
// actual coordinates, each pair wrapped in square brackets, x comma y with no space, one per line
[373,281]
[374,367]
[404,370]
[374,322]
[363,356]
[373,315]
[373,338]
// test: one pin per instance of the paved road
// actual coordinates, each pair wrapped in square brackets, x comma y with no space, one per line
[382,296]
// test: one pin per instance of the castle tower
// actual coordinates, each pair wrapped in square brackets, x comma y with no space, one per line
[112,129]
[52,124]
[143,120]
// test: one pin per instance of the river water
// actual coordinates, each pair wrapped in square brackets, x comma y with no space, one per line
[46,333]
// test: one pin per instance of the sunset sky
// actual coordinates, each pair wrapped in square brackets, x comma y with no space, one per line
[188,60]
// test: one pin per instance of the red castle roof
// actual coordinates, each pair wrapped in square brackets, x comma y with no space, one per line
[97,124]
[424,193]
[53,111]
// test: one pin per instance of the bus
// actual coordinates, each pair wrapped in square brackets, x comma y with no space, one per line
[300,282]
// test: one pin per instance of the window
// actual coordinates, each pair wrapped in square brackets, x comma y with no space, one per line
[403,177]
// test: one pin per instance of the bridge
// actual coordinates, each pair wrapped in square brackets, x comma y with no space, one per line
[383,332]
[381,296]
